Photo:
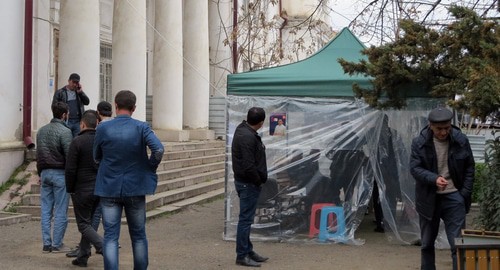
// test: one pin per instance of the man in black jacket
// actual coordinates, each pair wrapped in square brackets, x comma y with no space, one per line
[443,167]
[81,171]
[73,95]
[250,172]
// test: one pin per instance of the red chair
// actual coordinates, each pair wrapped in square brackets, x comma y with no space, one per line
[315,218]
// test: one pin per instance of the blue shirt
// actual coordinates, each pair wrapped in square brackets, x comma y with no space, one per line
[120,148]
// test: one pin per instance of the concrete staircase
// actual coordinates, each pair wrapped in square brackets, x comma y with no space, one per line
[190,173]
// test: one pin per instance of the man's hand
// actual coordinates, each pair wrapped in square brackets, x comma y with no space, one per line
[441,183]
[79,88]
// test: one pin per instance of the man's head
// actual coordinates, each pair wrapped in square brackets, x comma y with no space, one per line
[60,110]
[104,108]
[440,122]
[125,100]
[255,117]
[89,120]
[74,81]
[280,122]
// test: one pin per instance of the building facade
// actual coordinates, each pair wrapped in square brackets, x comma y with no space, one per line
[176,52]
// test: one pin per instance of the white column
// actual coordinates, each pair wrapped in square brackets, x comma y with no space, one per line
[79,46]
[196,66]
[44,67]
[220,16]
[11,69]
[129,51]
[167,66]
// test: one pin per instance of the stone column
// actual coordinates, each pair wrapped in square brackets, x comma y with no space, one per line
[220,15]
[196,69]
[79,46]
[129,51]
[167,71]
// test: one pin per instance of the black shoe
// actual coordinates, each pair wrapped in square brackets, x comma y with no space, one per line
[379,229]
[79,263]
[247,261]
[73,253]
[47,249]
[256,257]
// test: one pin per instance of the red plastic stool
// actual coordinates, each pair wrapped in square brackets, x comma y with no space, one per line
[315,218]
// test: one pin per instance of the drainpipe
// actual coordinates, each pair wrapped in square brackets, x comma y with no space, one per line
[27,75]
[285,21]
[235,41]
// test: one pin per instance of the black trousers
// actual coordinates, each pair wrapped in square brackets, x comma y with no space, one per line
[84,205]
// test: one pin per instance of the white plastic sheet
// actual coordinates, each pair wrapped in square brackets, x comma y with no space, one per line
[333,151]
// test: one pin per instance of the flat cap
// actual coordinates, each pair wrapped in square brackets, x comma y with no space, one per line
[440,114]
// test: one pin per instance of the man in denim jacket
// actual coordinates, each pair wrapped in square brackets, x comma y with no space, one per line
[126,174]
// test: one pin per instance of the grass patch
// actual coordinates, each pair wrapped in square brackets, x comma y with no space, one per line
[13,179]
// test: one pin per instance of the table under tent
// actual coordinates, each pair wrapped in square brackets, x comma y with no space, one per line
[333,149]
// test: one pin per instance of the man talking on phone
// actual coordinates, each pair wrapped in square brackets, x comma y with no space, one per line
[73,95]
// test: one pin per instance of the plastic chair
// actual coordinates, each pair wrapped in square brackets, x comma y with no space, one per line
[314,220]
[324,232]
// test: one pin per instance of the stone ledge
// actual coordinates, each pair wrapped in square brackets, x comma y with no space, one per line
[7,218]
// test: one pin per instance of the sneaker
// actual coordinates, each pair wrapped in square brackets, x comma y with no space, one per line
[73,253]
[61,249]
[47,249]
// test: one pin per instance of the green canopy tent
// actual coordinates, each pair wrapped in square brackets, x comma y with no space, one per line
[317,76]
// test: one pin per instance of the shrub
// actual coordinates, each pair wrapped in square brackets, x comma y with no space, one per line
[489,190]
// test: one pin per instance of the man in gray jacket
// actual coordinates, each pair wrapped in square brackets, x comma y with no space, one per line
[53,142]
[443,167]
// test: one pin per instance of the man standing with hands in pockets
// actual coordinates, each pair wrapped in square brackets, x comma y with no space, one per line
[250,172]
[443,167]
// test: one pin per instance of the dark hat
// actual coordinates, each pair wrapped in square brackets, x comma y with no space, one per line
[440,114]
[74,77]
[104,108]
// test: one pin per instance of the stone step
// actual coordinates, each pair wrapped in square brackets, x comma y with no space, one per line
[187,171]
[193,145]
[187,162]
[185,154]
[8,218]
[163,198]
[171,184]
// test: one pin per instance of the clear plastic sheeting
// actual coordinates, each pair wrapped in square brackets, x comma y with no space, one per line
[332,151]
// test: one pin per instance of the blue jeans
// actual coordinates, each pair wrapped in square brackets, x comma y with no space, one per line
[451,209]
[74,125]
[54,203]
[135,212]
[249,195]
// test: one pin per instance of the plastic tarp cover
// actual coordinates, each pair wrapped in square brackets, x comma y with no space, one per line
[331,151]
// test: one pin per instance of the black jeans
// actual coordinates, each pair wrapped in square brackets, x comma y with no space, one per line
[451,209]
[249,195]
[84,205]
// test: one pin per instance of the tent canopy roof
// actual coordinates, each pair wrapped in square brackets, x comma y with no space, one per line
[320,75]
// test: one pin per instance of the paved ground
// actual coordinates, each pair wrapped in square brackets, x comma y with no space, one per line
[192,239]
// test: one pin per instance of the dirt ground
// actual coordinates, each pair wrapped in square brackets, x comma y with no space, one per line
[192,239]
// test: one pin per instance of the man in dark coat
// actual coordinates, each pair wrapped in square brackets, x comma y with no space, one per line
[250,172]
[81,171]
[73,95]
[443,167]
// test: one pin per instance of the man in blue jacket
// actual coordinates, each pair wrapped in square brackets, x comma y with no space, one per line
[126,174]
[443,167]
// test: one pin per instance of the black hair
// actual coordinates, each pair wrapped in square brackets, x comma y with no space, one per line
[125,99]
[89,117]
[255,115]
[58,109]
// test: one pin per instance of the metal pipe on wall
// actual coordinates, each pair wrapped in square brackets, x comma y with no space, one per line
[28,72]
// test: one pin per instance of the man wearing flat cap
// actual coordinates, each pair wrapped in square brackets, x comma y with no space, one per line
[73,95]
[443,167]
